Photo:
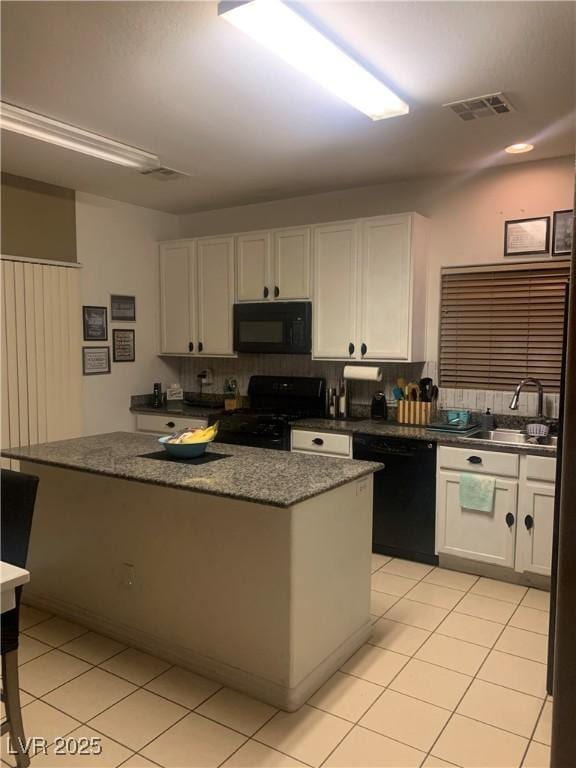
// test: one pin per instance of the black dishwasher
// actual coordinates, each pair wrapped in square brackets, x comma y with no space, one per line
[404,521]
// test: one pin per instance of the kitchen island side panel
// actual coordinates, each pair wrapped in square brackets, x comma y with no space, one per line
[330,576]
[210,575]
[265,599]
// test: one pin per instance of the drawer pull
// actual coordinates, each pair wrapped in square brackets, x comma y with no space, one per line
[350,348]
[170,424]
[363,349]
[265,292]
[510,520]
[474,459]
[318,441]
[529,522]
[276,291]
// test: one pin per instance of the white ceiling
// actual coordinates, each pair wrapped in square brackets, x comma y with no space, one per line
[174,79]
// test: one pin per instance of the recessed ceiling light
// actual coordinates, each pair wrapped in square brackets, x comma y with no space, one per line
[44,128]
[518,149]
[292,38]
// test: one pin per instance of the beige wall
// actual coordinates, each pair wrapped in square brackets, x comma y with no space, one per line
[38,220]
[467,213]
[117,246]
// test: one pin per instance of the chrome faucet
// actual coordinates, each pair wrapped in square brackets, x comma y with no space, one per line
[520,387]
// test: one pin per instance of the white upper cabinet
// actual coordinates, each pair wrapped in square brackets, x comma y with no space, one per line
[254,266]
[197,296]
[335,270]
[273,265]
[389,285]
[385,274]
[177,286]
[291,264]
[215,270]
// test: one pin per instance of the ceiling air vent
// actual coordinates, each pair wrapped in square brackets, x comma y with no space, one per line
[481,106]
[164,174]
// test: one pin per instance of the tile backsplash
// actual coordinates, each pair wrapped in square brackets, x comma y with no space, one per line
[244,366]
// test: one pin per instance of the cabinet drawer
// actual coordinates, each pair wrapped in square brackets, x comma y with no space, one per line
[325,443]
[485,462]
[165,424]
[541,468]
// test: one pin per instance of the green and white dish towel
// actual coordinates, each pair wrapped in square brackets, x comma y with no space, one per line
[477,492]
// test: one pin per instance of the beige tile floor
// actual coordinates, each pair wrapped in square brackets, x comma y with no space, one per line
[453,675]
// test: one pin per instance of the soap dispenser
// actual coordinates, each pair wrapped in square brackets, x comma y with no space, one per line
[487,420]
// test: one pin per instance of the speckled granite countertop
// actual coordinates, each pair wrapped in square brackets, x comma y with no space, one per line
[391,429]
[277,478]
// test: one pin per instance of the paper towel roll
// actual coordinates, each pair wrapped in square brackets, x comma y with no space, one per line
[363,372]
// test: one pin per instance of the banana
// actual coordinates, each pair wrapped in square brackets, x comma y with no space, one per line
[204,435]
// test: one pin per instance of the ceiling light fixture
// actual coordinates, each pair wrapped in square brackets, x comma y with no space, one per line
[518,149]
[292,38]
[44,128]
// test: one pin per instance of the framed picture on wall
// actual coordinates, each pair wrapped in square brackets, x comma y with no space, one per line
[123,346]
[95,323]
[562,233]
[527,237]
[123,308]
[95,360]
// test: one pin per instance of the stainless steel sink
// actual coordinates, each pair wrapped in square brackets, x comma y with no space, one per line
[510,437]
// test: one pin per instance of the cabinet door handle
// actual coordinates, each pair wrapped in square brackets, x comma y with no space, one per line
[170,424]
[350,349]
[276,291]
[318,441]
[200,346]
[265,291]
[474,459]
[191,346]
[363,349]
[510,520]
[529,522]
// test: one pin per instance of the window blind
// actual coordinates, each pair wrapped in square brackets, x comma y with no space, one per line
[499,324]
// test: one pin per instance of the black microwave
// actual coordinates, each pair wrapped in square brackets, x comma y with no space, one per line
[283,328]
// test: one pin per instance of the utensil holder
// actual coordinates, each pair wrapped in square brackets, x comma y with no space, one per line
[414,412]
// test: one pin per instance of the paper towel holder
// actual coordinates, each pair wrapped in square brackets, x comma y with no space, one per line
[362,372]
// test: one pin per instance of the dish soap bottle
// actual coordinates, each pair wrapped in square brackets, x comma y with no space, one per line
[487,420]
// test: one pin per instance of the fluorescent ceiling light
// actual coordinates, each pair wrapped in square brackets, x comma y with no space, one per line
[69,137]
[290,36]
[518,149]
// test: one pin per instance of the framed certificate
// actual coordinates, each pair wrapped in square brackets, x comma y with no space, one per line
[95,323]
[123,308]
[95,360]
[527,237]
[123,346]
[562,233]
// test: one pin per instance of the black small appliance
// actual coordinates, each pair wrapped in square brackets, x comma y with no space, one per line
[379,407]
[275,402]
[282,328]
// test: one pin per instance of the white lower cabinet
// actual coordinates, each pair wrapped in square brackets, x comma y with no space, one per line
[485,536]
[535,527]
[165,423]
[518,532]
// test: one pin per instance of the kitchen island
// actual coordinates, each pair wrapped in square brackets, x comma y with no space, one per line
[252,568]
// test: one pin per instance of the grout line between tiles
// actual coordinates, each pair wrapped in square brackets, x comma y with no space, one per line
[475,677]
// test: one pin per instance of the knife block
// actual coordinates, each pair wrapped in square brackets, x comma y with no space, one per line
[414,412]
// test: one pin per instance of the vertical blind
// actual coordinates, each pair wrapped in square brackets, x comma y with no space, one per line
[499,324]
[40,353]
